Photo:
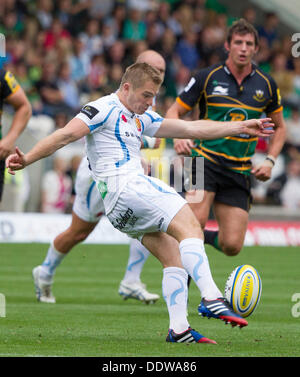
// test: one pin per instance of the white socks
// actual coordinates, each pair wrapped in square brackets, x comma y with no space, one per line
[138,255]
[174,289]
[52,260]
[195,262]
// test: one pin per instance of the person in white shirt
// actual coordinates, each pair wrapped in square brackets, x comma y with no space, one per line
[87,211]
[141,206]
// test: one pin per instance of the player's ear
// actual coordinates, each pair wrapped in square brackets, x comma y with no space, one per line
[226,45]
[126,87]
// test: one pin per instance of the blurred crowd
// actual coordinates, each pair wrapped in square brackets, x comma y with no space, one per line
[65,53]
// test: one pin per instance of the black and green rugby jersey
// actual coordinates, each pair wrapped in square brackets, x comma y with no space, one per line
[8,86]
[219,97]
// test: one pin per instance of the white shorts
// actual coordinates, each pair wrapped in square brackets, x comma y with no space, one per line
[145,205]
[89,207]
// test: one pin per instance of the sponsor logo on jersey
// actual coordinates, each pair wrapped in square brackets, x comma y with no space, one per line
[138,124]
[190,84]
[11,81]
[123,219]
[102,188]
[220,90]
[89,111]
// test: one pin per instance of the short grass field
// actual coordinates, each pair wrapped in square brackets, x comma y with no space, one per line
[91,320]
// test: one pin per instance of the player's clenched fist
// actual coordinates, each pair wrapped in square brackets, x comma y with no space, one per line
[15,161]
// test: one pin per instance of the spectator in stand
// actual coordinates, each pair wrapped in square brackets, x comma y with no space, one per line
[64,13]
[79,64]
[113,78]
[27,84]
[295,95]
[285,189]
[108,36]
[56,188]
[56,33]
[293,128]
[269,28]
[51,96]
[45,13]
[100,9]
[11,24]
[68,87]
[116,19]
[187,51]
[182,78]
[134,26]
[97,77]
[92,41]
[250,15]
[263,57]
[282,76]
[116,53]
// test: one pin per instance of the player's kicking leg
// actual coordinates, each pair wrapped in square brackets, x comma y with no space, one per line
[131,286]
[196,263]
[174,288]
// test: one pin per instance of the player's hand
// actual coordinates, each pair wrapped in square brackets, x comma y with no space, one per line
[183,146]
[263,171]
[259,127]
[15,161]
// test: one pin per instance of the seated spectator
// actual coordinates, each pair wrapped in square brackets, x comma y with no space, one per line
[187,51]
[108,36]
[97,76]
[79,63]
[68,87]
[285,189]
[56,188]
[294,98]
[134,26]
[51,96]
[113,79]
[282,76]
[293,128]
[268,29]
[45,13]
[55,34]
[28,86]
[116,19]
[116,53]
[91,39]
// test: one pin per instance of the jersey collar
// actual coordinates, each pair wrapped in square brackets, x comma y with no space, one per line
[227,70]
[123,107]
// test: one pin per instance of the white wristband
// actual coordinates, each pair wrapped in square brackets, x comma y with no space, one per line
[149,142]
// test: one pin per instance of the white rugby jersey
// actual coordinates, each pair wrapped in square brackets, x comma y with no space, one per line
[84,178]
[113,145]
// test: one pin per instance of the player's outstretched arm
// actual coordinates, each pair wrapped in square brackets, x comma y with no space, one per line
[208,129]
[73,131]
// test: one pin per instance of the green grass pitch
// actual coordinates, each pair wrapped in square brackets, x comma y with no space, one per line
[91,319]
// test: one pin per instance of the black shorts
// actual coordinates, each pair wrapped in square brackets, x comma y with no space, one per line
[2,167]
[230,187]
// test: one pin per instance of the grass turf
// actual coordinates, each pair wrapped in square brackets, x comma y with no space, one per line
[90,319]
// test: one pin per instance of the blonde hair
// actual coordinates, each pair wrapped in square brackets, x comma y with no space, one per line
[137,74]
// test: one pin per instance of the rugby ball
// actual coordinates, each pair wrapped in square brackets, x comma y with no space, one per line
[243,290]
